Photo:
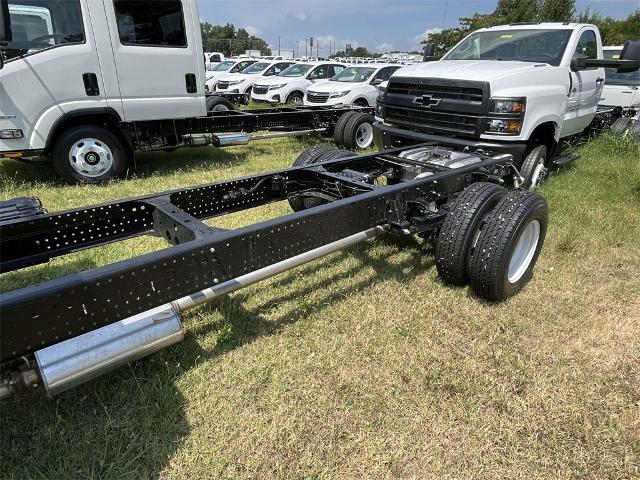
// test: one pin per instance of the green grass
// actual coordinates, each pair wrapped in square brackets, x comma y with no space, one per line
[363,364]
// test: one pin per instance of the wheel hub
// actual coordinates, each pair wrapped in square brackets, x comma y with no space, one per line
[364,135]
[524,251]
[90,157]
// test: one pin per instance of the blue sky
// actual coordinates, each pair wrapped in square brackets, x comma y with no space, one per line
[380,25]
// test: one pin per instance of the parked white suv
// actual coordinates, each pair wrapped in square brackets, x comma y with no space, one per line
[243,81]
[291,85]
[222,68]
[354,85]
[620,89]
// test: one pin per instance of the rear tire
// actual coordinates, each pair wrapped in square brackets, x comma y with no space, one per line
[534,168]
[461,229]
[90,154]
[216,103]
[358,132]
[338,130]
[509,245]
[315,154]
[619,127]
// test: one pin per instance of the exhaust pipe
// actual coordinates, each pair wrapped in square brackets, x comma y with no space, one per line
[231,139]
[83,358]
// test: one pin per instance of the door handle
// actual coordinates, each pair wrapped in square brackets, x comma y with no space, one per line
[599,80]
[91,87]
[192,86]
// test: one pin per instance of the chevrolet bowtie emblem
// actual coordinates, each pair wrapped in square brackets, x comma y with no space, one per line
[427,101]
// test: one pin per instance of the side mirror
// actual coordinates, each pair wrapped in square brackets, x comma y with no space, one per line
[428,52]
[578,63]
[377,82]
[5,23]
[631,52]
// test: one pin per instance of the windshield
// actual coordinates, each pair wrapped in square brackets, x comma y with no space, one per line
[544,46]
[242,65]
[41,24]
[354,74]
[221,67]
[296,70]
[255,68]
[613,77]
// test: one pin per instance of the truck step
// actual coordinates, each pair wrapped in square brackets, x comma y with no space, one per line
[564,159]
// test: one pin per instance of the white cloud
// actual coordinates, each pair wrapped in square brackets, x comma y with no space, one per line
[384,48]
[256,32]
[424,35]
[298,16]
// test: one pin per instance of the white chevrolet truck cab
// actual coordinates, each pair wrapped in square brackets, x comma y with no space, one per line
[352,86]
[290,85]
[243,81]
[620,89]
[516,89]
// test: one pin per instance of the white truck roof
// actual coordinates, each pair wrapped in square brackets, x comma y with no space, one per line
[536,26]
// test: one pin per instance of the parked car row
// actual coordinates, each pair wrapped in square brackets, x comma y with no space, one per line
[311,83]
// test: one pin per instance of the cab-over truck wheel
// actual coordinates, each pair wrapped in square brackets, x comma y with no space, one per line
[89,154]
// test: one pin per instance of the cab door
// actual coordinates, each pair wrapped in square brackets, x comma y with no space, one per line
[158,59]
[51,68]
[586,86]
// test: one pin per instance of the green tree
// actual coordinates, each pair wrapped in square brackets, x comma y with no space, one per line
[229,40]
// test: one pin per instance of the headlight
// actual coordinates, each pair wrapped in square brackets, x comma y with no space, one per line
[235,82]
[339,94]
[276,87]
[509,127]
[508,105]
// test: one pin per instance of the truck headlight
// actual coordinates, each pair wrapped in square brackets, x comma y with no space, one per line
[276,87]
[508,105]
[339,94]
[506,126]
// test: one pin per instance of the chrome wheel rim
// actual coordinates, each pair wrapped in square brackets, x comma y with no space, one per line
[296,100]
[537,177]
[524,251]
[364,135]
[220,108]
[91,157]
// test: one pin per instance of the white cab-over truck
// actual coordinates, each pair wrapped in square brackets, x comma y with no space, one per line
[518,89]
[86,83]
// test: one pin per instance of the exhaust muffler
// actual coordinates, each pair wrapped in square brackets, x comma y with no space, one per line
[80,359]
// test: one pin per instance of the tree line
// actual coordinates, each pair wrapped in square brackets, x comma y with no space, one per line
[614,31]
[230,41]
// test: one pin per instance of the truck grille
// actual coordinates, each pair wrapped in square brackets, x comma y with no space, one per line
[451,107]
[318,97]
[260,89]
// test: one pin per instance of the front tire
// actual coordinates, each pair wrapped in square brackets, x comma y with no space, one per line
[90,154]
[534,169]
[509,245]
[295,98]
[619,127]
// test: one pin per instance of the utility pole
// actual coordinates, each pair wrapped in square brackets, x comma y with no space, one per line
[306,47]
[278,44]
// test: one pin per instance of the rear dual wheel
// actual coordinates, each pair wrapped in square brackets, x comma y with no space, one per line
[492,245]
[354,131]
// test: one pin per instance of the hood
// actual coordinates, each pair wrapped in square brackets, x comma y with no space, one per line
[479,70]
[329,86]
[210,74]
[230,77]
[276,80]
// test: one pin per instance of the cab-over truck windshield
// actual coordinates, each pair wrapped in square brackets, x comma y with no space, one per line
[527,45]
